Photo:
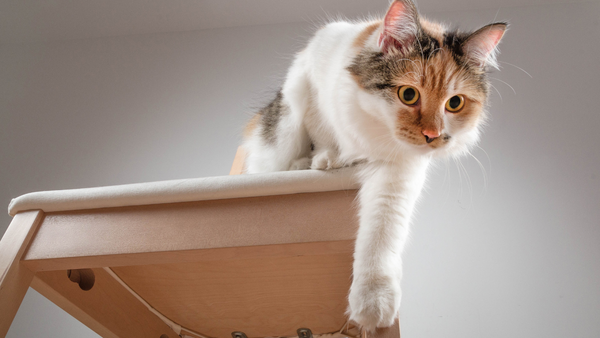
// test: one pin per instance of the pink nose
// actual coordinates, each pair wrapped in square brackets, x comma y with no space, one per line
[430,135]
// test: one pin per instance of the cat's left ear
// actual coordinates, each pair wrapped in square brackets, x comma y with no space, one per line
[400,26]
[480,47]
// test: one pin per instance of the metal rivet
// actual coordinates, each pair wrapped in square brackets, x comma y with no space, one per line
[238,334]
[304,333]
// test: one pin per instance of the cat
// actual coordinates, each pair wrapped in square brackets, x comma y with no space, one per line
[393,93]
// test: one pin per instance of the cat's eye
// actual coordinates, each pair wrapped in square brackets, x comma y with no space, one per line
[409,95]
[455,103]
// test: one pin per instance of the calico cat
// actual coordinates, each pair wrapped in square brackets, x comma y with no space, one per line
[393,93]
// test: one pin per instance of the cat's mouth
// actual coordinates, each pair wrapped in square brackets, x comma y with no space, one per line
[438,142]
[442,140]
[425,142]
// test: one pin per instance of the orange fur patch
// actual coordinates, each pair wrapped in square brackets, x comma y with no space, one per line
[434,29]
[360,40]
[251,126]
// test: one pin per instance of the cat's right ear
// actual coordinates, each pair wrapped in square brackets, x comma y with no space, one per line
[400,27]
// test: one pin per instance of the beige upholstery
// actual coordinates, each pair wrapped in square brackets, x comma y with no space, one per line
[187,190]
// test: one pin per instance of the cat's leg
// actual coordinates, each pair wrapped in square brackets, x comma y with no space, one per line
[387,198]
[279,141]
[325,153]
[294,137]
[287,149]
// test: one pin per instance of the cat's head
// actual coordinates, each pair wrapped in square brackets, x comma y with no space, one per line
[431,82]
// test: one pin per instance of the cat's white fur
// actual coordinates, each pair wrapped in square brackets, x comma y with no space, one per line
[348,124]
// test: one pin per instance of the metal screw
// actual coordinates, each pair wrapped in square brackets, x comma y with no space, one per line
[304,333]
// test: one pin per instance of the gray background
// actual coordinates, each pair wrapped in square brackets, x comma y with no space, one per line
[510,248]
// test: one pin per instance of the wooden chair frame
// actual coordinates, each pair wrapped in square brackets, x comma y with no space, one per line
[39,248]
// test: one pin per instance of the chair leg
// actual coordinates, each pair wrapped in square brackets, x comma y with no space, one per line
[237,167]
[15,277]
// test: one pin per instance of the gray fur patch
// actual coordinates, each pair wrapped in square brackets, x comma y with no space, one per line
[376,72]
[271,115]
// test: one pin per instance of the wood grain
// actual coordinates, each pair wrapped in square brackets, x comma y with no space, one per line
[108,309]
[14,277]
[266,296]
[187,256]
[257,221]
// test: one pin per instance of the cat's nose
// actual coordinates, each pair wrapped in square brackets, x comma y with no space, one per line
[430,135]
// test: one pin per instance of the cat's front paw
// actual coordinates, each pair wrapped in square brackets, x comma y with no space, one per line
[326,160]
[374,302]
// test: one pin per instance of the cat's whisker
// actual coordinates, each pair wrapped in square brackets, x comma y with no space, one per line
[488,158]
[471,186]
[417,67]
[447,174]
[459,179]
[497,91]
[484,174]
[387,159]
[519,68]
[395,152]
[431,54]
[511,87]
[468,180]
[415,73]
[421,48]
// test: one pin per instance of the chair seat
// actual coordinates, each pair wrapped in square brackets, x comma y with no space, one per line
[265,254]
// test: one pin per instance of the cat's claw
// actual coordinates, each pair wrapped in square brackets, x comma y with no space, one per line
[375,302]
[326,160]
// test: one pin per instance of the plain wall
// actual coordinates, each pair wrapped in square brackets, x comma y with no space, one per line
[512,250]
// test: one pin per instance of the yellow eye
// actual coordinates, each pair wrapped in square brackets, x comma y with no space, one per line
[455,103]
[409,95]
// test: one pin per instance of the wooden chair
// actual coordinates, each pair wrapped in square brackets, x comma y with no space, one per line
[248,255]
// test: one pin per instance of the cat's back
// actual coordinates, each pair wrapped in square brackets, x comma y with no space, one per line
[333,47]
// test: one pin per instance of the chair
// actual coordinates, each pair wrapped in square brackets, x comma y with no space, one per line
[259,255]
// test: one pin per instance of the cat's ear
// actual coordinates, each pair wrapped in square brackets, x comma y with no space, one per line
[480,47]
[400,26]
